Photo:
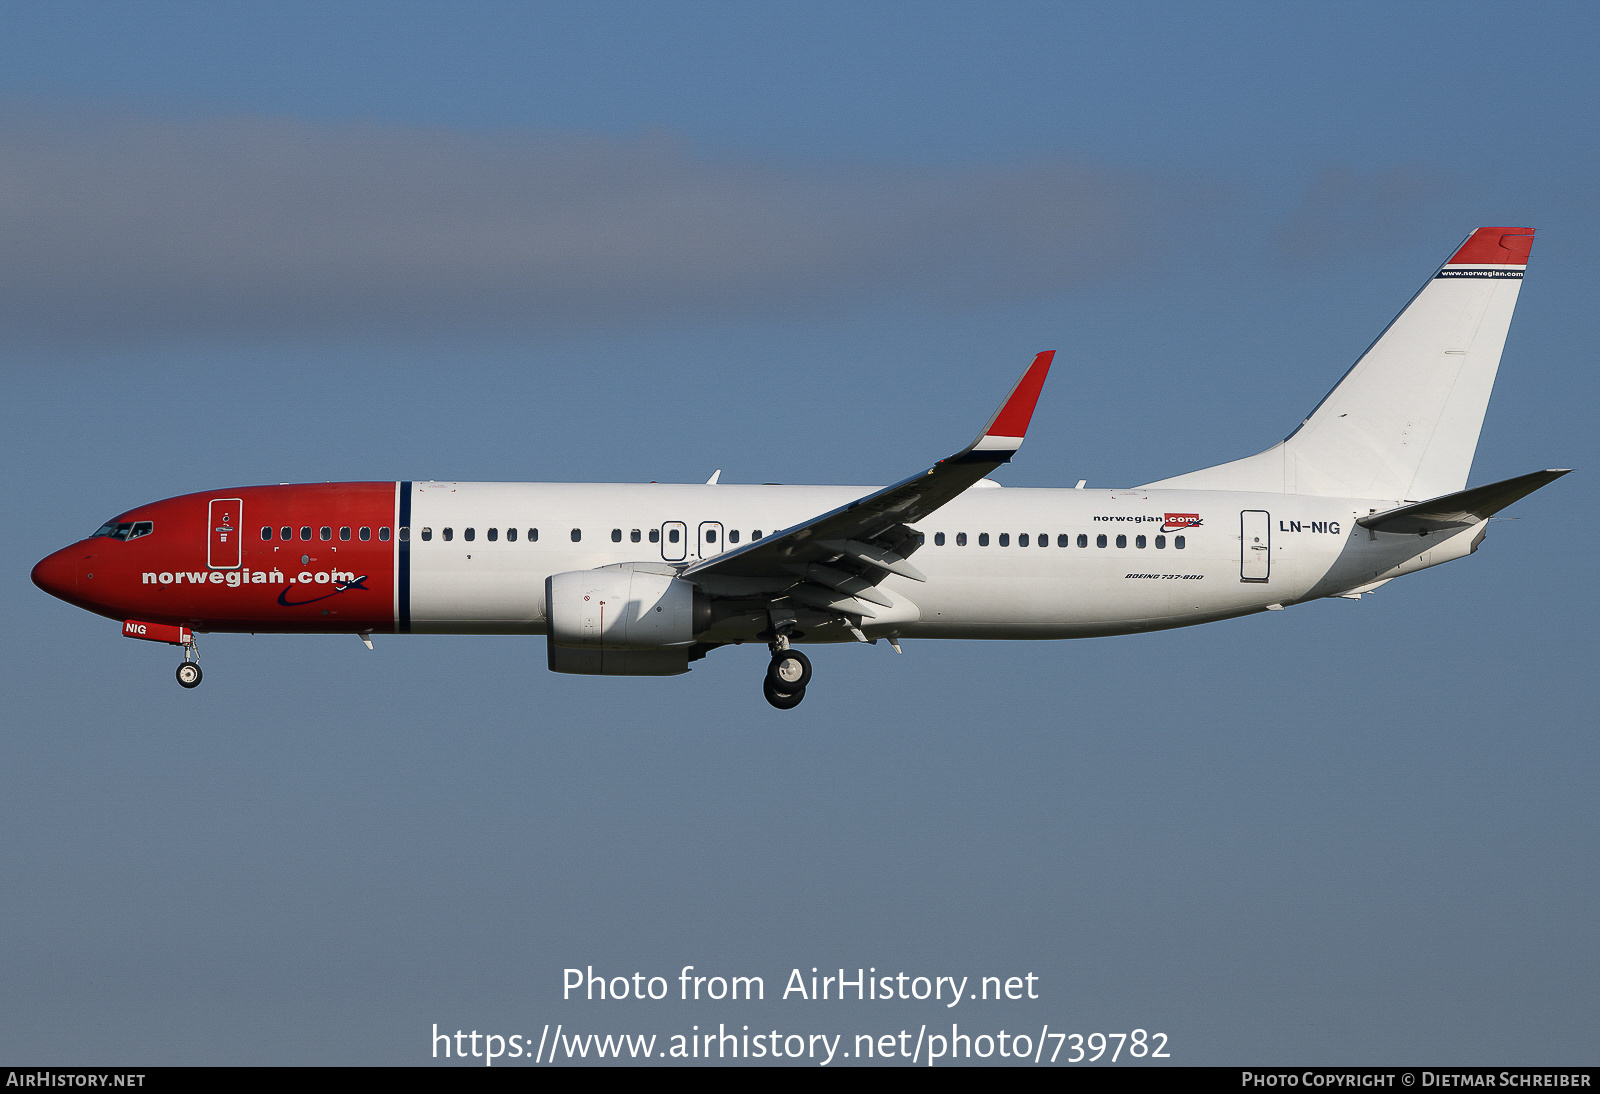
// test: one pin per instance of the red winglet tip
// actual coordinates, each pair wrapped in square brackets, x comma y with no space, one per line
[1013,419]
[1495,247]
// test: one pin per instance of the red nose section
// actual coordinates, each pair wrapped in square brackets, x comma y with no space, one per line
[58,573]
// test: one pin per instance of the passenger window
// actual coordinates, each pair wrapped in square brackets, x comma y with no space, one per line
[449,534]
[325,533]
[633,536]
[266,533]
[711,535]
[533,535]
[672,536]
[961,539]
[983,539]
[1099,541]
[493,534]
[1022,540]
[469,534]
[285,533]
[733,536]
[305,531]
[1044,540]
[655,535]
[383,533]
[1083,540]
[1063,541]
[366,534]
[1161,543]
[511,535]
[1005,539]
[577,535]
[427,534]
[1122,541]
[1138,541]
[1177,543]
[616,535]
[344,534]
[938,539]
[755,535]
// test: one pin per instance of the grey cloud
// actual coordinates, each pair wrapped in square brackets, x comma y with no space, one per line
[1345,209]
[276,222]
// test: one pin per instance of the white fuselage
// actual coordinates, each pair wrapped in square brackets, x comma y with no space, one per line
[989,586]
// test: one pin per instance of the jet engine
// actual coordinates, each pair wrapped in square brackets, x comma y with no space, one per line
[623,621]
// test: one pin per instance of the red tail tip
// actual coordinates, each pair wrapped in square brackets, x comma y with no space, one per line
[1495,247]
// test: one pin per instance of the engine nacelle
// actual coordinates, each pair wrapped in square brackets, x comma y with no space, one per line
[608,662]
[617,608]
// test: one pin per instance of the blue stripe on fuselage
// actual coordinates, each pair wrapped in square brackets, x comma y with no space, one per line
[402,577]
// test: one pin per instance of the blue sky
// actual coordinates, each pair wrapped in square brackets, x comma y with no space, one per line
[266,242]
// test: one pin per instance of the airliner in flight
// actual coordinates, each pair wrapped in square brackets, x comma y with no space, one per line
[645,579]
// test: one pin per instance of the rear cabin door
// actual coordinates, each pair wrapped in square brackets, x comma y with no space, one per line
[1255,545]
[674,541]
[225,533]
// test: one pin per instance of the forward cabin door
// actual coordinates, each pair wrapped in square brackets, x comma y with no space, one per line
[225,534]
[1255,545]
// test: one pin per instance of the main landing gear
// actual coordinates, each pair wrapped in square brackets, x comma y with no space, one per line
[787,676]
[189,672]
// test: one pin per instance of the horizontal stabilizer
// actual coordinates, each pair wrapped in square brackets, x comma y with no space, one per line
[1461,509]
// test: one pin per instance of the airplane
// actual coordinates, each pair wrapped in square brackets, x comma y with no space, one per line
[645,579]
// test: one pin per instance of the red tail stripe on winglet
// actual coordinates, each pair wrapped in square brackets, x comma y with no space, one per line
[1495,247]
[1014,416]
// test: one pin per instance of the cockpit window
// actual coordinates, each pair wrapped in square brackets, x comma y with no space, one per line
[126,530]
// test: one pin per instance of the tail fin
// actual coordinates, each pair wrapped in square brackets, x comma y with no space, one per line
[1403,423]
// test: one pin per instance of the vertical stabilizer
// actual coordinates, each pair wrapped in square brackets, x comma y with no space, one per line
[1403,423]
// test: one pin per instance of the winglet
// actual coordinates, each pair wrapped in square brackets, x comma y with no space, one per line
[1009,425]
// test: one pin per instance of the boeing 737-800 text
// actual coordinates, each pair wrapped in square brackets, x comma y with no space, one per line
[642,580]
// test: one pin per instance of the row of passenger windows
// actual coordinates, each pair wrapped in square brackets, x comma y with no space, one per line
[325,533]
[635,535]
[1043,540]
[287,532]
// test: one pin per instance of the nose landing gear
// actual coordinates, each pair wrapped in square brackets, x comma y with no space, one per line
[787,675]
[189,672]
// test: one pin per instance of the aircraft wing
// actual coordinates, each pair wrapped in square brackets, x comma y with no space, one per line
[832,561]
[1460,509]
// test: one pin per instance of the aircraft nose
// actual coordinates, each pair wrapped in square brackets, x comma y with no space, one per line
[57,574]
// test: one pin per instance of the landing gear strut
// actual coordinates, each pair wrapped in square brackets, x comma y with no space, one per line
[787,675]
[189,672]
